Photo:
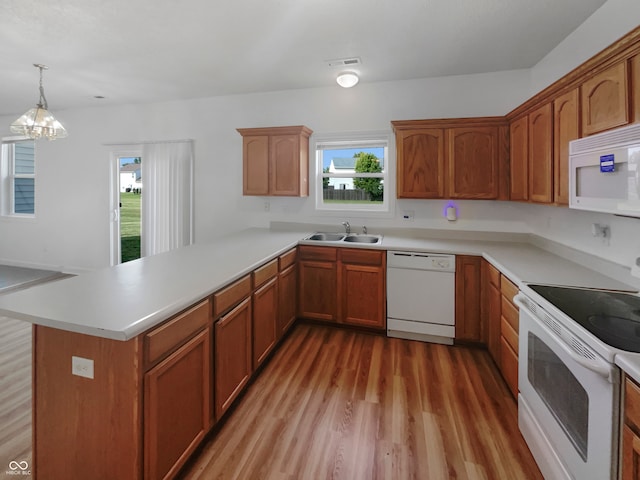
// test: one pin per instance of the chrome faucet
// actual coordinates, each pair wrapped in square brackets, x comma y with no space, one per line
[347,227]
[364,229]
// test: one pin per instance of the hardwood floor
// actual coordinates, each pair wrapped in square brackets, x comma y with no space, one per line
[338,404]
[15,393]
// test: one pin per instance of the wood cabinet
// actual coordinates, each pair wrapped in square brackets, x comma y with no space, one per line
[519,161]
[265,319]
[233,355]
[420,163]
[452,158]
[287,291]
[343,285]
[634,64]
[473,162]
[177,412]
[275,161]
[605,99]
[318,290]
[541,155]
[469,326]
[566,127]
[491,298]
[362,288]
[509,326]
[630,468]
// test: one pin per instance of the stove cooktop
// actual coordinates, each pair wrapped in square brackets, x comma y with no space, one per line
[613,317]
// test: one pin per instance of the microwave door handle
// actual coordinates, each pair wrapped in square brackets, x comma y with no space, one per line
[600,367]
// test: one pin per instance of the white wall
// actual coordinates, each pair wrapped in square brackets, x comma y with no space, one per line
[72,225]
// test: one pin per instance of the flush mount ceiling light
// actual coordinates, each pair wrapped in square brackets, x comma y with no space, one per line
[347,79]
[38,122]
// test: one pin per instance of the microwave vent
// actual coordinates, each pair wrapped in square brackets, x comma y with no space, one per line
[620,137]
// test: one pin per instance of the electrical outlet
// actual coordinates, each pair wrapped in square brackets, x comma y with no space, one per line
[267,206]
[82,367]
[407,215]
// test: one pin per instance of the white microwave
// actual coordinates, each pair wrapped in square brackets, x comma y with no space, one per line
[604,172]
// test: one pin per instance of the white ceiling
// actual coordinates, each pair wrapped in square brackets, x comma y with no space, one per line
[133,51]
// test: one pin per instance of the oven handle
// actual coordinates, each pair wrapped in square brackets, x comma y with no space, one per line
[601,367]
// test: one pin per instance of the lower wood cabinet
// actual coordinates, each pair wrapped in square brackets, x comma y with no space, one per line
[265,317]
[509,327]
[491,298]
[630,468]
[469,326]
[177,412]
[343,286]
[233,355]
[287,298]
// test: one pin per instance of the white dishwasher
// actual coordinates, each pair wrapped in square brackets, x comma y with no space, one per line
[421,296]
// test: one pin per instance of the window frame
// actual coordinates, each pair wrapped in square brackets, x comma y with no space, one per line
[369,139]
[8,177]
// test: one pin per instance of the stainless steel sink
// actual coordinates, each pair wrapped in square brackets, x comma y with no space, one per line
[326,237]
[362,238]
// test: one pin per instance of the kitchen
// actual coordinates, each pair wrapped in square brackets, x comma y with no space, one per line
[44,243]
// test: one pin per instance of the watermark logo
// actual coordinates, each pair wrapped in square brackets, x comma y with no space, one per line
[18,468]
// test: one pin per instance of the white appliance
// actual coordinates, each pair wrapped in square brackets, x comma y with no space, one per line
[421,296]
[568,404]
[604,172]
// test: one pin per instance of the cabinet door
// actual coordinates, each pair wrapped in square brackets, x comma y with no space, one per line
[285,165]
[509,366]
[318,290]
[232,355]
[635,87]
[566,127]
[420,163]
[287,288]
[519,161]
[363,295]
[473,162]
[630,454]
[541,155]
[605,100]
[255,163]
[265,317]
[177,400]
[491,302]
[468,286]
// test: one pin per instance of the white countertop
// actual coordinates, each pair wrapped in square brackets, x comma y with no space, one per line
[123,301]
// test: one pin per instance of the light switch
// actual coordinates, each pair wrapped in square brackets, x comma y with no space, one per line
[83,367]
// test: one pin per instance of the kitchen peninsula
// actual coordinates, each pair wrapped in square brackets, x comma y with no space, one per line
[150,329]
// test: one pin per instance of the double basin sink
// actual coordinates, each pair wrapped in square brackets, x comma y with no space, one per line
[342,237]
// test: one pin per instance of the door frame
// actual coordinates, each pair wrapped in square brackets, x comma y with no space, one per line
[115,254]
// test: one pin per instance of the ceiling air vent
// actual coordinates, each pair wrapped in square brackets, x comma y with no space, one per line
[344,62]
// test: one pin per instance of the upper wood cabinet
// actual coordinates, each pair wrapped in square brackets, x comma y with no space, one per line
[452,158]
[541,155]
[566,127]
[605,100]
[634,64]
[519,162]
[275,161]
[420,161]
[473,162]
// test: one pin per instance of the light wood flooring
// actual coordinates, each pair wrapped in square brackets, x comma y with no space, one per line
[336,404]
[15,393]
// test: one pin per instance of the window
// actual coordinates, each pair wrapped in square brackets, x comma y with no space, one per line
[352,173]
[18,171]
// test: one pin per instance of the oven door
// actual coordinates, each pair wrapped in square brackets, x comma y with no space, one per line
[568,403]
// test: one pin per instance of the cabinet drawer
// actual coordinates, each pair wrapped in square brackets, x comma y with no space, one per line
[362,257]
[508,288]
[318,253]
[494,275]
[287,259]
[165,338]
[265,272]
[632,403]
[231,295]
[509,366]
[509,334]
[510,313]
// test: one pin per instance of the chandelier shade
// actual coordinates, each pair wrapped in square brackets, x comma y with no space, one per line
[38,122]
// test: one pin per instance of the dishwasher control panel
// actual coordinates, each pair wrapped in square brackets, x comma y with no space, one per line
[421,261]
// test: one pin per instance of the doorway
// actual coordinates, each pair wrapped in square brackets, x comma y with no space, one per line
[130,207]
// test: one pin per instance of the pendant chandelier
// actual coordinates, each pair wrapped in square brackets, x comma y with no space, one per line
[38,122]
